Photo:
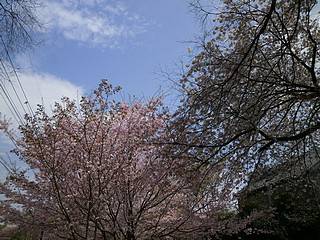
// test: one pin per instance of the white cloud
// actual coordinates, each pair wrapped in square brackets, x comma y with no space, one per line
[91,21]
[40,88]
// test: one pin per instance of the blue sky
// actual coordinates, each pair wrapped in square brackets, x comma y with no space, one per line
[129,42]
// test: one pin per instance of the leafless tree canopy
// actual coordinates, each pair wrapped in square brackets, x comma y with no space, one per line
[252,95]
[17,24]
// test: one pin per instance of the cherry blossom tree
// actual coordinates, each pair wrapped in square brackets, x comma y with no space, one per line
[97,173]
[251,96]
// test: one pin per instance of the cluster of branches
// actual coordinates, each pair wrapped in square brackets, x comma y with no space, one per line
[18,22]
[251,96]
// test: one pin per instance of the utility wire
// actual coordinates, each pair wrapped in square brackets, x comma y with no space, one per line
[14,89]
[9,102]
[10,108]
[5,165]
[16,75]
[12,104]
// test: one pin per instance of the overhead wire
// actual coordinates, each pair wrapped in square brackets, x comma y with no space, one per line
[11,103]
[8,99]
[5,94]
[17,77]
[13,87]
[4,164]
[10,107]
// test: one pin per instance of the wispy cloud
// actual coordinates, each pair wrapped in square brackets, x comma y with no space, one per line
[95,22]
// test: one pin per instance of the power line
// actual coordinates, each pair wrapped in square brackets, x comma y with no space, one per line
[3,162]
[14,89]
[15,111]
[9,107]
[16,75]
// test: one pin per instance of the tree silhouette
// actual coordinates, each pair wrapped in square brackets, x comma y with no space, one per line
[18,22]
[251,96]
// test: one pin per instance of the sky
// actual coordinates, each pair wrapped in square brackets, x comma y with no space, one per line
[132,43]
